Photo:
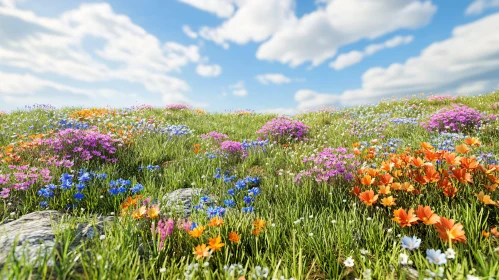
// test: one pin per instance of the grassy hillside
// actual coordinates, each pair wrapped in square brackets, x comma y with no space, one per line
[331,202]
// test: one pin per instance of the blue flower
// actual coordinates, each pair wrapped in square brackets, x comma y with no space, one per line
[66,185]
[248,199]
[51,187]
[410,243]
[231,192]
[78,196]
[44,204]
[240,184]
[66,178]
[204,199]
[247,209]
[102,176]
[46,192]
[122,189]
[85,177]
[229,203]
[137,188]
[114,191]
[197,207]
[193,226]
[254,191]
[80,186]
[435,257]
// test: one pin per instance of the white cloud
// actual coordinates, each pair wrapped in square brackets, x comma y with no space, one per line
[478,6]
[354,57]
[280,111]
[316,36]
[205,70]
[189,32]
[221,8]
[239,89]
[254,21]
[273,78]
[94,44]
[466,62]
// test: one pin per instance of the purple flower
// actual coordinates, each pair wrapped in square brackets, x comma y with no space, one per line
[283,129]
[459,118]
[233,149]
[328,164]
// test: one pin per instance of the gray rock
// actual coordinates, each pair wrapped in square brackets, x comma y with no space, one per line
[180,201]
[32,235]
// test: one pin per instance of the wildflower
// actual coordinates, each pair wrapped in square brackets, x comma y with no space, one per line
[234,237]
[485,199]
[138,213]
[256,232]
[349,262]
[153,212]
[363,251]
[368,197]
[403,258]
[201,251]
[216,222]
[197,231]
[102,237]
[388,201]
[449,231]
[463,149]
[259,223]
[410,243]
[405,218]
[162,270]
[450,253]
[494,231]
[435,257]
[384,189]
[485,234]
[426,215]
[216,243]
[262,272]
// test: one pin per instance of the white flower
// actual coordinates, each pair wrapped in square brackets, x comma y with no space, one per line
[162,270]
[333,221]
[206,264]
[311,234]
[311,216]
[364,251]
[102,237]
[349,262]
[272,225]
[112,213]
[450,254]
[389,230]
[99,257]
[403,258]
[472,277]
[369,218]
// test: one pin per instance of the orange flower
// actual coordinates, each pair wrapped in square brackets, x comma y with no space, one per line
[418,162]
[368,197]
[367,180]
[234,237]
[432,174]
[355,191]
[387,166]
[153,212]
[388,201]
[138,213]
[396,186]
[384,189]
[259,224]
[462,175]
[197,231]
[491,188]
[469,163]
[463,149]
[485,234]
[216,222]
[407,187]
[450,191]
[452,159]
[405,218]
[472,141]
[201,251]
[385,179]
[494,231]
[426,215]
[431,155]
[485,199]
[216,243]
[256,232]
[448,230]
[426,146]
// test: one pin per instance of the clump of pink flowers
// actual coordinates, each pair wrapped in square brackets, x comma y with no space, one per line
[233,149]
[331,163]
[217,137]
[283,129]
[22,178]
[83,145]
[178,107]
[441,97]
[459,118]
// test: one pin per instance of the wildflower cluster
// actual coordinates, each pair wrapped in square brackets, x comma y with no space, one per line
[177,107]
[329,164]
[214,136]
[459,118]
[283,129]
[21,178]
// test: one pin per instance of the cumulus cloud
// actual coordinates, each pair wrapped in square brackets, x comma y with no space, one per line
[189,32]
[353,57]
[238,89]
[221,8]
[478,6]
[467,62]
[206,70]
[316,36]
[94,44]
[254,21]
[273,78]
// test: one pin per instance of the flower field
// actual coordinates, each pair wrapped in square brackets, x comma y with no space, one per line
[405,189]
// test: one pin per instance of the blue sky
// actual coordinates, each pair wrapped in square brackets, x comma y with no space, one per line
[269,55]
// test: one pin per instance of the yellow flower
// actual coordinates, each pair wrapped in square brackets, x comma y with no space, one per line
[197,232]
[153,212]
[216,243]
[201,251]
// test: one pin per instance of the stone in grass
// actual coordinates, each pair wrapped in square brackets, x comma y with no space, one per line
[180,201]
[33,235]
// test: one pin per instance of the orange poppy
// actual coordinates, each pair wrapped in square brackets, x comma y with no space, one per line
[388,201]
[463,149]
[485,234]
[372,172]
[234,237]
[197,231]
[368,197]
[367,180]
[491,188]
[450,231]
[485,199]
[452,158]
[256,232]
[216,222]
[426,215]
[407,187]
[138,213]
[423,180]
[418,162]
[387,166]
[472,141]
[385,179]
[426,146]
[396,186]
[355,191]
[462,175]
[431,155]
[384,189]
[259,223]
[405,218]
[201,251]
[450,191]
[153,212]
[469,163]
[216,243]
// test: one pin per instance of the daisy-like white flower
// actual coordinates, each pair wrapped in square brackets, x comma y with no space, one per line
[349,262]
[403,259]
[364,251]
[450,253]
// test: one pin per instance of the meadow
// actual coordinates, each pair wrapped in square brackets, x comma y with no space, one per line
[405,189]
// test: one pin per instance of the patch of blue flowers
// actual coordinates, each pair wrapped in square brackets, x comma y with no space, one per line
[446,141]
[405,121]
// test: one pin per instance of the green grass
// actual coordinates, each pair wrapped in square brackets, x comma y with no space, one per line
[333,224]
